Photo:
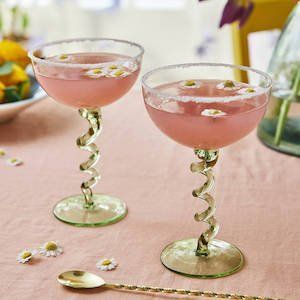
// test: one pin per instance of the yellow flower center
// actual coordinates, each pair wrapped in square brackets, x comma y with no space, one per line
[250,90]
[215,112]
[113,67]
[97,71]
[229,84]
[63,56]
[190,83]
[26,254]
[119,73]
[51,246]
[2,152]
[106,262]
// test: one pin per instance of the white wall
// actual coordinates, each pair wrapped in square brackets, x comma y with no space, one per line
[168,35]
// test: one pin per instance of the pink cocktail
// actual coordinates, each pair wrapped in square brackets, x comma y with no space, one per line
[191,123]
[200,106]
[88,74]
[77,86]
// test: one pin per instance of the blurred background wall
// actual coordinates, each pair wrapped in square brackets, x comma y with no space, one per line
[172,31]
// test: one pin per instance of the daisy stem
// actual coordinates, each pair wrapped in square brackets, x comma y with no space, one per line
[285,107]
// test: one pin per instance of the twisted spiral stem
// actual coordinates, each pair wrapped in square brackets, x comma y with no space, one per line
[208,160]
[86,142]
[208,294]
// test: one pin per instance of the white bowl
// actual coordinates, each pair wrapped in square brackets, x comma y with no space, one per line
[8,111]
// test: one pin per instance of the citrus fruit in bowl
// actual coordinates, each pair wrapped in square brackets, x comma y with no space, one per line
[18,87]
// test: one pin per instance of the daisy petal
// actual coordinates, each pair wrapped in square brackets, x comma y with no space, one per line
[51,249]
[106,264]
[95,73]
[25,255]
[212,113]
[118,73]
[14,161]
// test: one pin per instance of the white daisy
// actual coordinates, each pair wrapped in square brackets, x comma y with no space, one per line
[113,67]
[190,84]
[228,85]
[14,161]
[25,255]
[63,57]
[2,152]
[212,113]
[51,248]
[117,73]
[95,73]
[109,68]
[106,264]
[247,90]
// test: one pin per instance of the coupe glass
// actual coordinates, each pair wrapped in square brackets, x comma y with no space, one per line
[88,74]
[201,107]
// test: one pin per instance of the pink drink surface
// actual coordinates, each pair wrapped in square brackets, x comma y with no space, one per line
[185,123]
[78,87]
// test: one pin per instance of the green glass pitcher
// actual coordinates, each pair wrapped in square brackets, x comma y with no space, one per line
[280,128]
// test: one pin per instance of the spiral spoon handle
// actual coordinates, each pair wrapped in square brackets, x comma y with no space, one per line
[151,289]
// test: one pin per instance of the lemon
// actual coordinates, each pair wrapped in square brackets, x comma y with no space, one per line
[12,51]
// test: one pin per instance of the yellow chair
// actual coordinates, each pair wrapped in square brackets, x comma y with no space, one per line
[266,15]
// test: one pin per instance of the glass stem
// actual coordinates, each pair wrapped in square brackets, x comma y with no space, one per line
[208,160]
[86,142]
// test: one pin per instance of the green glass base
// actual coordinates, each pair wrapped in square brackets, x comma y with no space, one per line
[104,211]
[224,259]
[289,143]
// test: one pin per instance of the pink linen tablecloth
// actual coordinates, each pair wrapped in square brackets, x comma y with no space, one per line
[257,193]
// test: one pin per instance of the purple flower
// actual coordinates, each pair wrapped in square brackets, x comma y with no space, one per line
[236,10]
[247,12]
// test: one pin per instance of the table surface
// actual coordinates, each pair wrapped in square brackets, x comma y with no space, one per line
[257,194]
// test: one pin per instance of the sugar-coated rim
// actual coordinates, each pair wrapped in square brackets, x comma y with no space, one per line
[166,96]
[66,41]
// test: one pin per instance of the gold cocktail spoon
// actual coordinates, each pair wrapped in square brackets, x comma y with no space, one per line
[85,280]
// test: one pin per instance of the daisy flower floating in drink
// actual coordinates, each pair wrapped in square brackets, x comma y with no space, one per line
[201,107]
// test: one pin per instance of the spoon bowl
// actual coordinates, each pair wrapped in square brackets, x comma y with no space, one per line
[80,279]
